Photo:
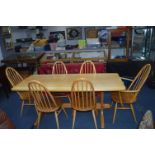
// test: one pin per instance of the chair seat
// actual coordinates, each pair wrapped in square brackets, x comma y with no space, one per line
[84,109]
[125,97]
[52,109]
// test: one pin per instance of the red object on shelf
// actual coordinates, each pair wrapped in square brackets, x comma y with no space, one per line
[72,68]
[117,32]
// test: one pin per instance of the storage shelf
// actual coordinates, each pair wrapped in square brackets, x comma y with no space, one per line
[124,32]
[75,55]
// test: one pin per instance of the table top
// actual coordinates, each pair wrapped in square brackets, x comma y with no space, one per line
[63,82]
[22,57]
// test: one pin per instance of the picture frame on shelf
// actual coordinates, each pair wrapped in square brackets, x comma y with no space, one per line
[57,39]
[103,36]
[74,33]
[91,32]
[59,35]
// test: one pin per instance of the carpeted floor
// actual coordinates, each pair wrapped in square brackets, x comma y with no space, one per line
[124,119]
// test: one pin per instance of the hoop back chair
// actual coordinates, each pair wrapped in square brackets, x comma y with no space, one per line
[15,78]
[87,67]
[59,68]
[129,96]
[44,101]
[83,98]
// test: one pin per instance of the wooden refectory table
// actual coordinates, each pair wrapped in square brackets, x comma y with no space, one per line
[102,82]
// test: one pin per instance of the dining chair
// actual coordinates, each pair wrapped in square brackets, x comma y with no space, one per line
[15,78]
[87,67]
[129,96]
[59,68]
[83,98]
[44,101]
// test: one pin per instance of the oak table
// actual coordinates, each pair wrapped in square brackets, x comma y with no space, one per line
[62,83]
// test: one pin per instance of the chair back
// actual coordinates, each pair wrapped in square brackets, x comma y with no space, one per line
[43,99]
[83,95]
[140,78]
[13,76]
[59,68]
[87,67]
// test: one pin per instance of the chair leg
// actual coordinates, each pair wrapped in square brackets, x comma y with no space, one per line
[112,103]
[74,116]
[94,117]
[69,98]
[133,112]
[96,112]
[56,118]
[36,121]
[114,116]
[22,106]
[65,112]
[29,100]
[39,118]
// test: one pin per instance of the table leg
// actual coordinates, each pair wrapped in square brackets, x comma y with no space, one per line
[102,107]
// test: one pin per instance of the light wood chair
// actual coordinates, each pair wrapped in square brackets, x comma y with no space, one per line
[87,67]
[129,96]
[59,68]
[83,98]
[44,101]
[15,78]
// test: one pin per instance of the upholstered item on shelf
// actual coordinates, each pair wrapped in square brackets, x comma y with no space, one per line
[5,122]
[147,121]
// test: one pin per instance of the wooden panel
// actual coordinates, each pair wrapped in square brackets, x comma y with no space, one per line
[98,106]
